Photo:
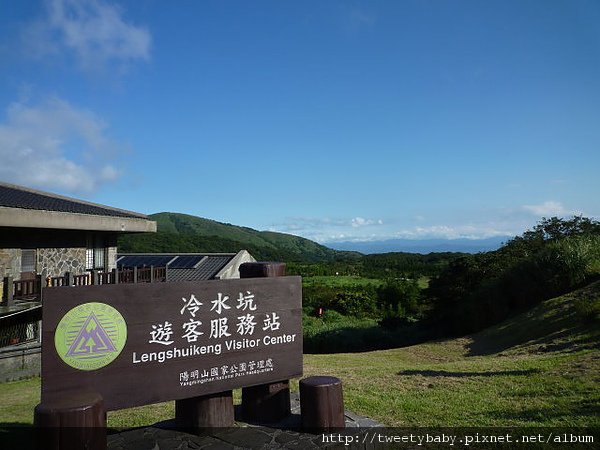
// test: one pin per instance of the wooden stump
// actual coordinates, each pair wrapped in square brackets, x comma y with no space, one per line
[266,403]
[71,421]
[321,404]
[262,269]
[205,411]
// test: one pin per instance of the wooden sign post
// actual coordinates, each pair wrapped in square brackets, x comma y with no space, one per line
[148,343]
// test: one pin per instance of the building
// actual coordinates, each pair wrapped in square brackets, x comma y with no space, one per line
[47,238]
[47,235]
[188,266]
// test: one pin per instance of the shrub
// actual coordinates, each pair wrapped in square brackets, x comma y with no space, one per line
[357,303]
[399,298]
[335,333]
[559,267]
[331,316]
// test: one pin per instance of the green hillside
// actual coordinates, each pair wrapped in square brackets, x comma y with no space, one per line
[566,323]
[540,368]
[185,233]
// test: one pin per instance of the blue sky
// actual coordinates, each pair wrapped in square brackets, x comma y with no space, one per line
[333,120]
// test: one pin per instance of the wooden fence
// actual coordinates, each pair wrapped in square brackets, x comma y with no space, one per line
[23,288]
[30,289]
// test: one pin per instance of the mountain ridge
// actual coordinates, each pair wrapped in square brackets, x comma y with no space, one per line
[177,232]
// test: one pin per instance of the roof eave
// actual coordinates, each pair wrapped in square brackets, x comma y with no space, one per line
[32,218]
[120,212]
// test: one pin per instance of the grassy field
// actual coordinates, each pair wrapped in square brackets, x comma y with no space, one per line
[541,368]
[342,281]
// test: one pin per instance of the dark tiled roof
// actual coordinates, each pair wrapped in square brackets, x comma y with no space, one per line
[213,264]
[188,275]
[185,267]
[18,197]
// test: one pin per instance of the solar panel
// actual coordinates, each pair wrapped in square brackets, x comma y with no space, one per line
[184,267]
[144,260]
[186,262]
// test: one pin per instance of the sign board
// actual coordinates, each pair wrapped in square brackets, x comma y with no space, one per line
[137,344]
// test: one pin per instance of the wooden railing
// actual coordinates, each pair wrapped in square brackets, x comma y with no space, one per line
[82,280]
[126,276]
[30,289]
[160,274]
[105,278]
[24,289]
[143,275]
[151,274]
[55,281]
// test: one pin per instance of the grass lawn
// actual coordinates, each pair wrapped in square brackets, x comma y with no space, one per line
[424,385]
[541,368]
[437,385]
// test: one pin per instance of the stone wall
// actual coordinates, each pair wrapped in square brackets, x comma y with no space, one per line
[111,256]
[51,262]
[58,251]
[10,266]
[54,262]
[10,262]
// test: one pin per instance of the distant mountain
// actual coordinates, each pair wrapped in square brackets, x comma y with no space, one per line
[185,233]
[191,234]
[423,246]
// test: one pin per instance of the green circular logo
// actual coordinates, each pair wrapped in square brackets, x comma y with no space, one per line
[90,336]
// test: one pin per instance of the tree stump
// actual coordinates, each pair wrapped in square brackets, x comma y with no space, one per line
[72,421]
[262,269]
[205,411]
[266,403]
[321,404]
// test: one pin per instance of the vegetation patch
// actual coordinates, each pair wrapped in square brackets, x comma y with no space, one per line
[493,378]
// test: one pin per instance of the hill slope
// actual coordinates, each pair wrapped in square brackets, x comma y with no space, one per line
[185,233]
[540,368]
[557,324]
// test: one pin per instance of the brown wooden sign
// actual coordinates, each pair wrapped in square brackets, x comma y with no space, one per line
[147,343]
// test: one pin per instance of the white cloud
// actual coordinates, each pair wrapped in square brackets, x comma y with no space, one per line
[54,145]
[546,209]
[453,232]
[359,222]
[319,223]
[360,229]
[303,223]
[325,229]
[92,30]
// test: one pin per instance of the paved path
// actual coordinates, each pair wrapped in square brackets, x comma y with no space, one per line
[242,436]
